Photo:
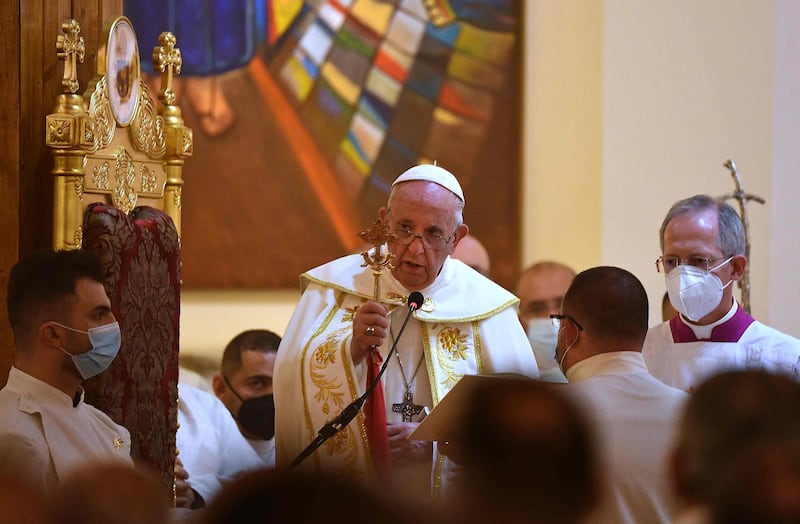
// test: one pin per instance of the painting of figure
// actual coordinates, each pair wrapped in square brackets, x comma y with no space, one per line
[305,111]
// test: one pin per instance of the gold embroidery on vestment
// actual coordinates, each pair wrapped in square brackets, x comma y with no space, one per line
[454,343]
[324,356]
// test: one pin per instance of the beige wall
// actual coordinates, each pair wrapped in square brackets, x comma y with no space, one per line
[629,106]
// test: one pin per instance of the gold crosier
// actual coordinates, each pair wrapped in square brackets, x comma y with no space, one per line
[377,236]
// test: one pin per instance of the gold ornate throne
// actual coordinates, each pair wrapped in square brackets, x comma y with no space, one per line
[118,160]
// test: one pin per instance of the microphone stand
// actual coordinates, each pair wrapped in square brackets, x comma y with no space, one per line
[338,423]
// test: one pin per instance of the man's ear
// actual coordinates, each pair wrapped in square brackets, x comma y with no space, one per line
[461,232]
[384,214]
[738,263]
[49,335]
[218,385]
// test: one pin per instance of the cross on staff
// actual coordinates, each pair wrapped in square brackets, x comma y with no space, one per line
[71,49]
[407,407]
[167,59]
[742,198]
[377,235]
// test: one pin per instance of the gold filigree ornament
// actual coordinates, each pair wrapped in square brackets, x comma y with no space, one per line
[79,186]
[149,179]
[100,176]
[176,197]
[102,116]
[77,236]
[124,194]
[148,126]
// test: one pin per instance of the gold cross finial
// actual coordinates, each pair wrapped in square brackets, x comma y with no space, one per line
[70,49]
[377,235]
[167,59]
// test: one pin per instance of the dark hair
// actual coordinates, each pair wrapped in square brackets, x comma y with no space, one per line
[727,414]
[730,238]
[40,287]
[528,452]
[253,339]
[610,302]
[280,496]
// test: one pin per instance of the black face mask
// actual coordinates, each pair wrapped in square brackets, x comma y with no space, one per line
[256,414]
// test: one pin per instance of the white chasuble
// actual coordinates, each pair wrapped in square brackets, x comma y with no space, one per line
[466,325]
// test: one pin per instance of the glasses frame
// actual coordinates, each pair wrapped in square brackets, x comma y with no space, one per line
[660,268]
[556,319]
[422,238]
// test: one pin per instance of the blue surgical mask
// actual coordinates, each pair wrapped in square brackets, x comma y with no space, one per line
[106,340]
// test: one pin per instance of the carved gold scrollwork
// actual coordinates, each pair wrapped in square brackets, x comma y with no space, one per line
[176,197]
[88,132]
[100,176]
[100,112]
[148,178]
[78,236]
[186,141]
[124,194]
[79,186]
[147,128]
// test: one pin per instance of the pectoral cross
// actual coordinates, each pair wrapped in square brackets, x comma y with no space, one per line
[407,407]
[377,236]
[71,49]
[167,59]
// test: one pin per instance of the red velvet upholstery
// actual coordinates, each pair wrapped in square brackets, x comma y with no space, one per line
[140,254]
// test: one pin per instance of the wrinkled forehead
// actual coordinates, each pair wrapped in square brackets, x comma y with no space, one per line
[423,203]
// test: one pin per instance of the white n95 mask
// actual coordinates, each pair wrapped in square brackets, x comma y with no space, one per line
[695,292]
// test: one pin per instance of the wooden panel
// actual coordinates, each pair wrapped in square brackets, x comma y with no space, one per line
[28,95]
[35,100]
[9,171]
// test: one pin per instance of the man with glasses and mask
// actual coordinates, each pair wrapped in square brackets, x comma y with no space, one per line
[64,333]
[466,325]
[601,329]
[703,245]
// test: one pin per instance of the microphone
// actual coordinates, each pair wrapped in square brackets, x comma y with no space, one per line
[415,300]
[341,421]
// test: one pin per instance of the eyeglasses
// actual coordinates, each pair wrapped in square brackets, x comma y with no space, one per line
[667,264]
[406,237]
[556,320]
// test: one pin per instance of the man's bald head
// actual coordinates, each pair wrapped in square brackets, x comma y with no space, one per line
[471,252]
[540,289]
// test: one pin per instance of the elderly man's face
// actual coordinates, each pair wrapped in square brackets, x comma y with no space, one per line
[424,208]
